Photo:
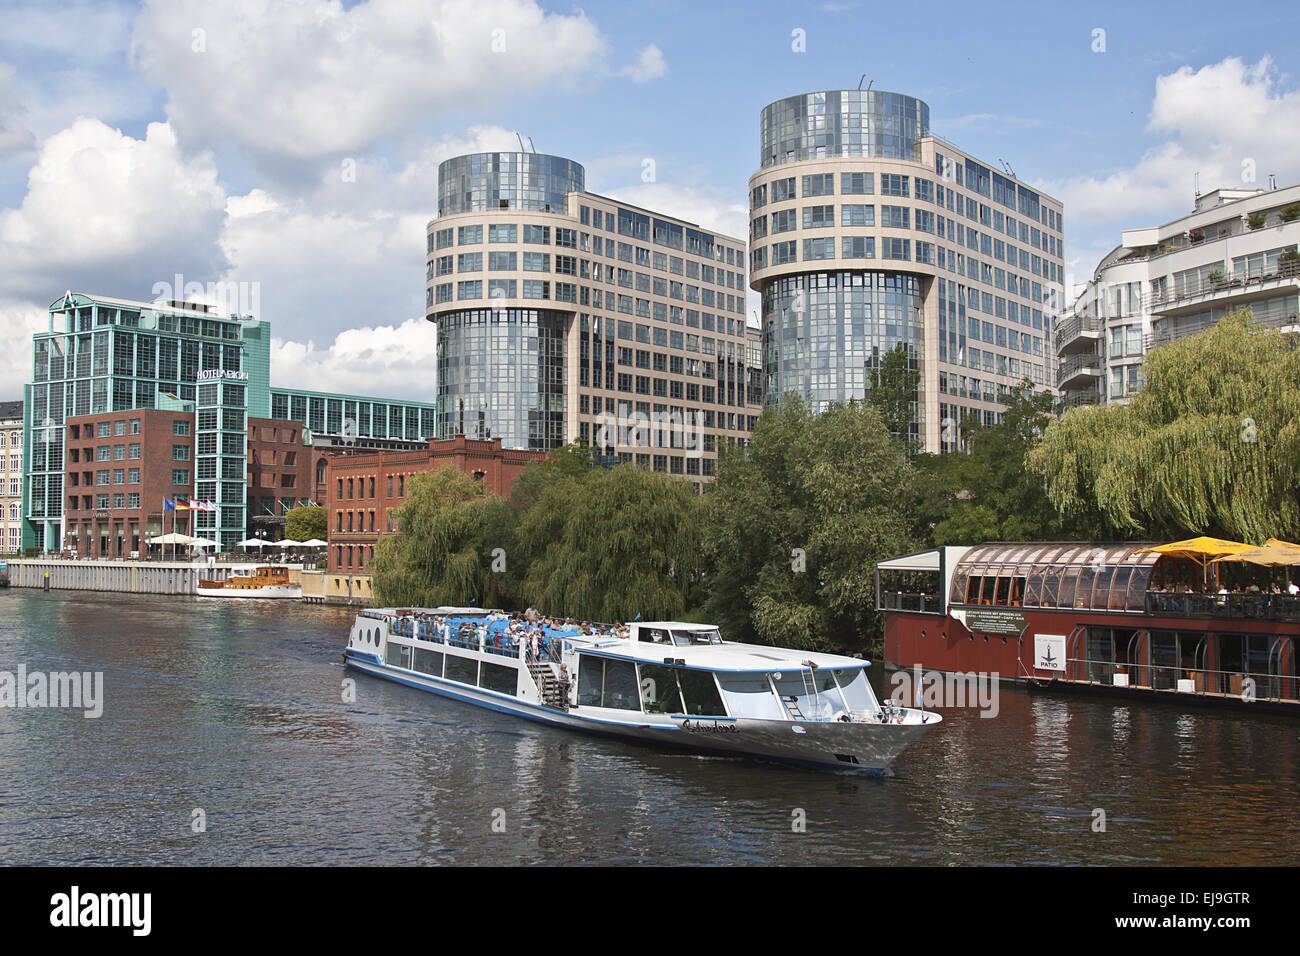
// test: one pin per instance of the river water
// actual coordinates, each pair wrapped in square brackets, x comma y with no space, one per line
[228,718]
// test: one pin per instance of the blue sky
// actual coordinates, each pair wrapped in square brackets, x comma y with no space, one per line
[294,145]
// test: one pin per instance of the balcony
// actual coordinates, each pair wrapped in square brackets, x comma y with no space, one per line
[1079,399]
[1223,290]
[1077,371]
[1079,333]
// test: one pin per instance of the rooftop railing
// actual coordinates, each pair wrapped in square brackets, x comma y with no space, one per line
[1244,607]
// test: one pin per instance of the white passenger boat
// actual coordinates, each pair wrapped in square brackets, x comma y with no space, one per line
[665,683]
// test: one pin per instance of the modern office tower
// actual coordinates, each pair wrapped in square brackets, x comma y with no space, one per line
[867,232]
[1236,249]
[103,355]
[567,316]
[11,477]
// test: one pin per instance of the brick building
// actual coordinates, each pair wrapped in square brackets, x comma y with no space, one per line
[362,489]
[281,473]
[119,466]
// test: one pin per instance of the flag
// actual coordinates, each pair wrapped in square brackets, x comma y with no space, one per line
[197,505]
[169,505]
[182,505]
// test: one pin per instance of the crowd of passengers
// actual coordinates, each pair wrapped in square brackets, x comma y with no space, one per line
[502,632]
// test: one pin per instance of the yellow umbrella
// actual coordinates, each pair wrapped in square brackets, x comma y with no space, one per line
[1273,553]
[1200,550]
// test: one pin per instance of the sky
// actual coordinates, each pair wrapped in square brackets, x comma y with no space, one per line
[289,149]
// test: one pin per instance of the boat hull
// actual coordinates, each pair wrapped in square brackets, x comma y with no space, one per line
[270,592]
[822,745]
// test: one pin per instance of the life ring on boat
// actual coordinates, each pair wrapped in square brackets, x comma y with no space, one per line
[896,719]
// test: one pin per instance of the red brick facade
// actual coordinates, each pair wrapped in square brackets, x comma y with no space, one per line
[118,468]
[281,472]
[361,489]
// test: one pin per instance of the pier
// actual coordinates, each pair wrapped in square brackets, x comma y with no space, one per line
[128,577]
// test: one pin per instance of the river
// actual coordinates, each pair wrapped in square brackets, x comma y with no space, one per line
[225,739]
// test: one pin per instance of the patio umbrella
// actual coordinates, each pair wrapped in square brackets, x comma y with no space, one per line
[1273,553]
[1199,550]
[251,543]
[314,543]
[173,537]
[203,542]
[288,543]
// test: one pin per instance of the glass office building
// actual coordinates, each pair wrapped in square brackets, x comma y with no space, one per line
[566,316]
[868,232]
[101,354]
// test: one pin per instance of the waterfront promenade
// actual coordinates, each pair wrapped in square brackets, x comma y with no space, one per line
[128,577]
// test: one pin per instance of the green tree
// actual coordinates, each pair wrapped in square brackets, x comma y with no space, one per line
[306,522]
[892,391]
[990,494]
[798,520]
[1210,445]
[609,545]
[440,555]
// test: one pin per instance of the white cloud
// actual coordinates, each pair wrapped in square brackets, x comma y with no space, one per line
[309,78]
[19,320]
[649,65]
[1230,122]
[108,213]
[385,361]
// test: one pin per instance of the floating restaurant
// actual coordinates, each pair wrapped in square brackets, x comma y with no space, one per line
[1204,620]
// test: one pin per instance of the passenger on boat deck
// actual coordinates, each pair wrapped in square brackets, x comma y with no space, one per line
[531,615]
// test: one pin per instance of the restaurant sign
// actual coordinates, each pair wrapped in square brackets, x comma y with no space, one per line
[995,620]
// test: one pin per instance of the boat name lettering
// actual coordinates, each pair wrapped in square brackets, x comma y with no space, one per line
[699,727]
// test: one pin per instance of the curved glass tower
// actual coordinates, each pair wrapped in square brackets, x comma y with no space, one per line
[843,123]
[867,232]
[483,182]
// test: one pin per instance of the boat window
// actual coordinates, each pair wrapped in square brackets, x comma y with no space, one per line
[655,635]
[1033,587]
[1083,593]
[498,677]
[399,655]
[1137,588]
[1003,594]
[959,586]
[973,589]
[750,695]
[1101,588]
[1051,583]
[704,635]
[857,690]
[1017,592]
[462,669]
[428,662]
[659,690]
[806,690]
[700,693]
[1069,577]
[607,683]
[1119,588]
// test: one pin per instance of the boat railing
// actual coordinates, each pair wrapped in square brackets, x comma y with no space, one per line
[1248,606]
[1200,681]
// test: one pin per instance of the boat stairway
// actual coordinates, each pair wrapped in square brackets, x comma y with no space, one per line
[548,686]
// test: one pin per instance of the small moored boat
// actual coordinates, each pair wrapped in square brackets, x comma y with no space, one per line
[665,683]
[260,583]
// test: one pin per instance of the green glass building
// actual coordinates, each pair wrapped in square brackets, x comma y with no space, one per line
[102,354]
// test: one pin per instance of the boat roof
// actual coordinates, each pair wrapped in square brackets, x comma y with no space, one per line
[727,656]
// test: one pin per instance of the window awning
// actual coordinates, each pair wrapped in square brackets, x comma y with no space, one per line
[921,561]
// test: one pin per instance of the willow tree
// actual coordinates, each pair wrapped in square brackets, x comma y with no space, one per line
[440,555]
[1210,445]
[798,520]
[612,545]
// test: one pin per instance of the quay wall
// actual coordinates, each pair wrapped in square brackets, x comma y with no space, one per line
[128,577]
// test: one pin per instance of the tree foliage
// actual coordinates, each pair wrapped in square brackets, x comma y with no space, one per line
[1210,445]
[306,522]
[990,494]
[797,521]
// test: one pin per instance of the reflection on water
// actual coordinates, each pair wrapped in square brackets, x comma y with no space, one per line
[236,709]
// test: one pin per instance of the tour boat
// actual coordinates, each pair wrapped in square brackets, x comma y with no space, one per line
[663,683]
[260,583]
